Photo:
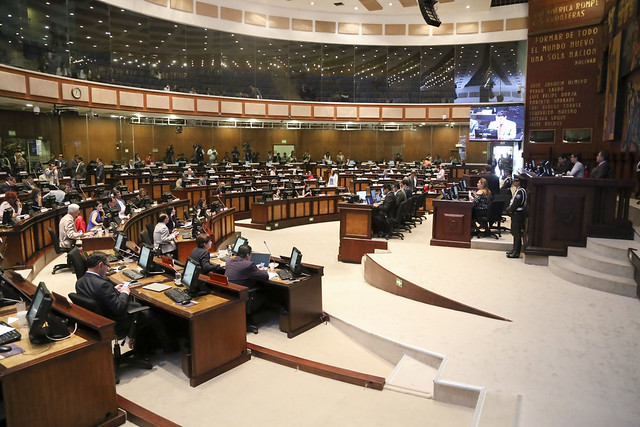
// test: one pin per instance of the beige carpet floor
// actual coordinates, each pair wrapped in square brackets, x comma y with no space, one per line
[572,352]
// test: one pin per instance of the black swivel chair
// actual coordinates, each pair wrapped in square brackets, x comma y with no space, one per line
[145,238]
[56,245]
[150,227]
[119,359]
[493,216]
[77,261]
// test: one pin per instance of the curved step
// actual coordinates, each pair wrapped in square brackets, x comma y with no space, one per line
[593,261]
[611,248]
[565,269]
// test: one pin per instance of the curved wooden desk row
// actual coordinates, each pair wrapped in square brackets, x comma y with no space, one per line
[27,238]
[289,212]
[70,382]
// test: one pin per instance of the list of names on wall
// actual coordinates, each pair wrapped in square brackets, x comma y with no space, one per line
[556,100]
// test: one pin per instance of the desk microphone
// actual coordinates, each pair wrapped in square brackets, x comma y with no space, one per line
[266,246]
[82,191]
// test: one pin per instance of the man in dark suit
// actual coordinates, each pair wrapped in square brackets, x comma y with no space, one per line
[115,302]
[383,210]
[201,254]
[99,171]
[603,170]
[492,180]
[242,271]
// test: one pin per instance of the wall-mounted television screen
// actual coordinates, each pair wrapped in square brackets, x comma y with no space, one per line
[496,123]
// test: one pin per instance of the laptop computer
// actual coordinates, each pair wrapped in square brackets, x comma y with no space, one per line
[260,259]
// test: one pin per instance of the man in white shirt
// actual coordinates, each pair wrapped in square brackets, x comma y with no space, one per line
[68,233]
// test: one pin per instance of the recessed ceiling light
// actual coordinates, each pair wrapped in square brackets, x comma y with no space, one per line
[468,7]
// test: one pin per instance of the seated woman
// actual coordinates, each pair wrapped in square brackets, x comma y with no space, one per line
[200,209]
[306,192]
[201,255]
[80,224]
[276,195]
[95,217]
[36,199]
[173,221]
[11,201]
[481,199]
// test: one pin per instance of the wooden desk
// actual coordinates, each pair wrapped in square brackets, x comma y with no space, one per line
[564,211]
[215,328]
[70,382]
[356,232]
[301,300]
[451,223]
[221,227]
[136,223]
[298,211]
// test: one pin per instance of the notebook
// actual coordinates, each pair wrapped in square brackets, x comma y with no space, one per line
[157,287]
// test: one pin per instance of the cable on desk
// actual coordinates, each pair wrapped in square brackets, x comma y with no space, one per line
[67,337]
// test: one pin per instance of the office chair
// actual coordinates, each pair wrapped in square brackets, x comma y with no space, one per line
[77,261]
[393,223]
[56,245]
[493,215]
[122,332]
[150,227]
[145,238]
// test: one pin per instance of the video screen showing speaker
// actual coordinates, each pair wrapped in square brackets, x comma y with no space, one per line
[496,123]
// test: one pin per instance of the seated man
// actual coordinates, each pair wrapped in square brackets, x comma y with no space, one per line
[383,210]
[67,227]
[163,239]
[203,257]
[115,302]
[8,185]
[241,271]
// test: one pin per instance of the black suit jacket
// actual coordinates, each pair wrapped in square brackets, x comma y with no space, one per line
[113,304]
[603,170]
[388,206]
[202,256]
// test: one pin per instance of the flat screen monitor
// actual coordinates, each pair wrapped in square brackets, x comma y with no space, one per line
[190,276]
[239,242]
[296,259]
[463,185]
[496,123]
[454,191]
[120,242]
[38,314]
[146,257]
[375,196]
[362,195]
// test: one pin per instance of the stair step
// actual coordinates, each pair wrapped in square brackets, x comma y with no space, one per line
[611,248]
[500,409]
[588,259]
[567,270]
[412,376]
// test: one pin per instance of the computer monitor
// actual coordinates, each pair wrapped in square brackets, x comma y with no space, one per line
[239,242]
[463,185]
[454,191]
[375,196]
[38,315]
[190,277]
[121,239]
[296,260]
[146,258]
[445,194]
[166,197]
[7,217]
[362,195]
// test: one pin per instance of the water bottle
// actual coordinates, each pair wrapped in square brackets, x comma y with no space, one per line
[177,278]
